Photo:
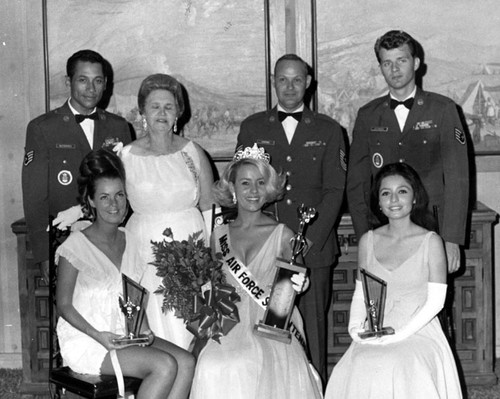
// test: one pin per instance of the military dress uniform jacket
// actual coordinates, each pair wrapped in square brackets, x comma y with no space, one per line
[432,142]
[55,147]
[315,165]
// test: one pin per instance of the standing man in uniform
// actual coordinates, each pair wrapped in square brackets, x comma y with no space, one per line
[56,143]
[310,148]
[419,128]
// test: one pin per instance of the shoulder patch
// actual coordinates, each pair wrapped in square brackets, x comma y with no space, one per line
[459,136]
[28,157]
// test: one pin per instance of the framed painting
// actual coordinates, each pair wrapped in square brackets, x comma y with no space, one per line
[216,49]
[462,56]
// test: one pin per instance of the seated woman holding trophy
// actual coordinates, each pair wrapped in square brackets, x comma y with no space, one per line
[399,349]
[247,364]
[91,263]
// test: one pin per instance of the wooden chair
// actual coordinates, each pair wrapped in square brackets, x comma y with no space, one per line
[225,215]
[61,377]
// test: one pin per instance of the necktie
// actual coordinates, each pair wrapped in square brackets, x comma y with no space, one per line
[407,103]
[283,115]
[80,117]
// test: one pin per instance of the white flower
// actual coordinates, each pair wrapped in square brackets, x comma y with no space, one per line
[118,147]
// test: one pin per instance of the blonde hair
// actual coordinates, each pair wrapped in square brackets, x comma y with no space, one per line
[275,182]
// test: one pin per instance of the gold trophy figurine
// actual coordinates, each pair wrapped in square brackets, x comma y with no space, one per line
[275,324]
[133,307]
[374,289]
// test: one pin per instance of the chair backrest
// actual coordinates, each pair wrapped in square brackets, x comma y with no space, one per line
[225,215]
[56,238]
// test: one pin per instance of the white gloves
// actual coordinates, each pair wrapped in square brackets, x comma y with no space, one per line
[357,313]
[436,295]
[300,282]
[67,217]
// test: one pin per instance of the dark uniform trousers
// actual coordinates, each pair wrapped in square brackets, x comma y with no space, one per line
[55,147]
[433,142]
[315,165]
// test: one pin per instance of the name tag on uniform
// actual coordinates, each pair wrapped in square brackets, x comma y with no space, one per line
[317,143]
[379,129]
[65,146]
[422,125]
[265,142]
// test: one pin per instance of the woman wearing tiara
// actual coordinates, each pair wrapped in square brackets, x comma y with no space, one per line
[245,365]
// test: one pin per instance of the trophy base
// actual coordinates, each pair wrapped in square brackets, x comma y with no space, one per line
[376,334]
[126,341]
[277,334]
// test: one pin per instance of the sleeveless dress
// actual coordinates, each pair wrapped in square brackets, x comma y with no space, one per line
[248,366]
[97,288]
[163,191]
[421,366]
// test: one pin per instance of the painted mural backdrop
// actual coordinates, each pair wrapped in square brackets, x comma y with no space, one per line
[462,52]
[215,48]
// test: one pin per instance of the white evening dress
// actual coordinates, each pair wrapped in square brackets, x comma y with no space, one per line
[163,191]
[97,288]
[248,366]
[421,366]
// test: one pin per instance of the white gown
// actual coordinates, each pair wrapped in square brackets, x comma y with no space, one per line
[97,288]
[420,366]
[163,191]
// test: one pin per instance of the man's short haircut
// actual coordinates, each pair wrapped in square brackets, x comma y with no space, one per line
[85,56]
[292,57]
[394,39]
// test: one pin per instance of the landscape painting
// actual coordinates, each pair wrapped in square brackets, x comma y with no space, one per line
[215,48]
[461,48]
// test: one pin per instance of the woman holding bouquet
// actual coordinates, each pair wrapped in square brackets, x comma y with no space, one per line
[90,267]
[169,181]
[245,365]
[416,361]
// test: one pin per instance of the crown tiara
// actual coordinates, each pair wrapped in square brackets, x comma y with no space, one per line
[251,152]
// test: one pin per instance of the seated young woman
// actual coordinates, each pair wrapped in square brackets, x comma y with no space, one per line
[416,361]
[90,267]
[245,365]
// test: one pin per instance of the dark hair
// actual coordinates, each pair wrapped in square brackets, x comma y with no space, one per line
[394,39]
[420,214]
[292,57]
[97,165]
[160,81]
[275,182]
[85,56]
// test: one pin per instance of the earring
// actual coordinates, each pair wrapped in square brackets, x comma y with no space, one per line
[175,126]
[235,200]
[144,124]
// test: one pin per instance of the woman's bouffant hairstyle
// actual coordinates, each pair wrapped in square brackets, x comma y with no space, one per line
[420,214]
[160,81]
[97,165]
[275,182]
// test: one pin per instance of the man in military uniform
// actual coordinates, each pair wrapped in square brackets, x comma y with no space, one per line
[310,148]
[420,128]
[56,143]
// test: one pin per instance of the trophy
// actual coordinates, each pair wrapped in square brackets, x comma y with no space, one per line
[133,307]
[374,289]
[275,324]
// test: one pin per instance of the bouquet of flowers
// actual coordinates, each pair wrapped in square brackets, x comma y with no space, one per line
[194,285]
